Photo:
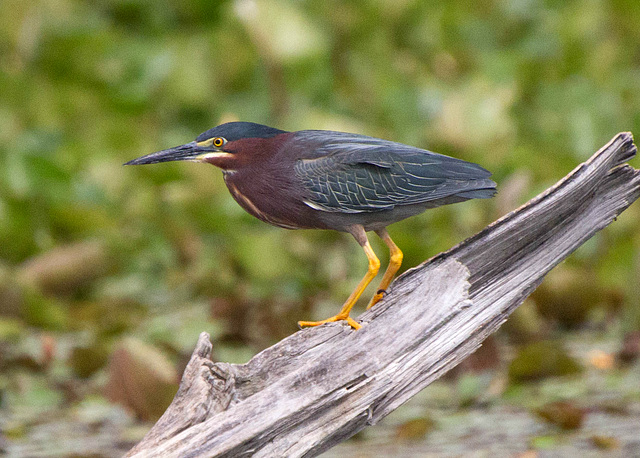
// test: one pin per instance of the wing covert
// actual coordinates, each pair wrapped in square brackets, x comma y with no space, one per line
[353,174]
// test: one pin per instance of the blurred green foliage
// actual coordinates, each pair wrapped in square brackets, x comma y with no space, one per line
[526,88]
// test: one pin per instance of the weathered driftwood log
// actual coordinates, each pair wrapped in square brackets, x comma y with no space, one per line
[322,385]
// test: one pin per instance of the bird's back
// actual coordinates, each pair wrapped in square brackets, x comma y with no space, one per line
[357,175]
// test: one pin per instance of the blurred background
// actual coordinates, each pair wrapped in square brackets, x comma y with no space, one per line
[108,274]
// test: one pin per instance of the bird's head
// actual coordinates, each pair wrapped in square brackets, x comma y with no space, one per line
[225,146]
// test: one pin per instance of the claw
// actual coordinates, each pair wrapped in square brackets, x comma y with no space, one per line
[377,297]
[353,323]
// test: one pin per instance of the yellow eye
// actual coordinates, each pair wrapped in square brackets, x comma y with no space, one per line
[219,141]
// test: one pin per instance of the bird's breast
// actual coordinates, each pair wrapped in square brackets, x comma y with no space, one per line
[259,201]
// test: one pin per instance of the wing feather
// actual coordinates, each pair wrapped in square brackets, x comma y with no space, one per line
[351,173]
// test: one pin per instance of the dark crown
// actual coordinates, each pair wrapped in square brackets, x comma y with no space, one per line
[237,130]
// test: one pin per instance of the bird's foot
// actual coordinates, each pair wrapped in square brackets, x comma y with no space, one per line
[377,297]
[353,323]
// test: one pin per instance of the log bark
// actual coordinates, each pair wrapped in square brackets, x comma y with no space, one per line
[322,385]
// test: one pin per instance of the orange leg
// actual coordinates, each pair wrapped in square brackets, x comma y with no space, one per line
[374,266]
[395,261]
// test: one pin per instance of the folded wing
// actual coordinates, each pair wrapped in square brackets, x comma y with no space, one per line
[354,174]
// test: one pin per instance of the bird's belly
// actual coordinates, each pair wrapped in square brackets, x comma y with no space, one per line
[370,220]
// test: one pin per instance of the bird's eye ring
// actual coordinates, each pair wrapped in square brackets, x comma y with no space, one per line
[219,141]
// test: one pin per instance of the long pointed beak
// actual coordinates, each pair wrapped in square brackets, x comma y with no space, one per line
[189,152]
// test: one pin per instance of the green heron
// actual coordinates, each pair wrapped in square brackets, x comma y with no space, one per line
[317,179]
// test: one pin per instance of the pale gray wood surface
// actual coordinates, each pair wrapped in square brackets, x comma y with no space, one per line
[322,385]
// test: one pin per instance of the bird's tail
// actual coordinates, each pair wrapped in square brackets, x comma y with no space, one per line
[484,189]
